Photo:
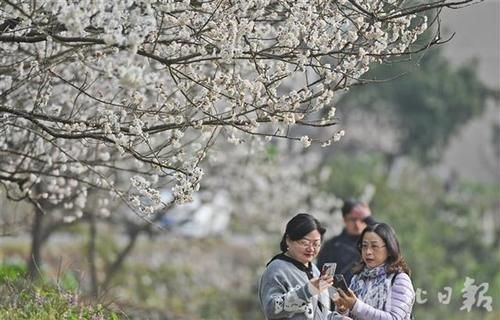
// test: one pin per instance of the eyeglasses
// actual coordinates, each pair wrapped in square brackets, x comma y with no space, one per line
[374,247]
[306,243]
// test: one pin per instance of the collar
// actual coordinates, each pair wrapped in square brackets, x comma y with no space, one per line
[308,270]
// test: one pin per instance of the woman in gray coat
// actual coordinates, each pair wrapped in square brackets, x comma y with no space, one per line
[291,286]
[381,288]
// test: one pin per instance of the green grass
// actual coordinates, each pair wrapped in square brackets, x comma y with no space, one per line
[23,299]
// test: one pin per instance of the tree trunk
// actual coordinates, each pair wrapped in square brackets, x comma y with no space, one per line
[94,285]
[117,264]
[35,260]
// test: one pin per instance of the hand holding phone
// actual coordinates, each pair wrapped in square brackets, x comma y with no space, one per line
[328,269]
[339,282]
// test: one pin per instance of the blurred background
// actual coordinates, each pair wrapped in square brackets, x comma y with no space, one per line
[423,150]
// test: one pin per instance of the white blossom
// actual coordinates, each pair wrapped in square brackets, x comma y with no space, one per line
[306,141]
[130,96]
[338,135]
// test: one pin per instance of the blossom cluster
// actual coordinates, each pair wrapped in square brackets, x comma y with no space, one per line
[97,93]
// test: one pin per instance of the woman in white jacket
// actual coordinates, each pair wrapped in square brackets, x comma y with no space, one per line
[381,288]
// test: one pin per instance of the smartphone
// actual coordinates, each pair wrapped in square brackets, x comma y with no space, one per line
[328,269]
[339,282]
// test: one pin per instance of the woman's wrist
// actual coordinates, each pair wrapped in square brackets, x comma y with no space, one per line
[312,289]
[351,306]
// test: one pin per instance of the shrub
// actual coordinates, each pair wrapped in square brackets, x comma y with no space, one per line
[22,299]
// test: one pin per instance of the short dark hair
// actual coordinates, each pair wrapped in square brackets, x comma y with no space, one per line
[395,262]
[349,205]
[299,226]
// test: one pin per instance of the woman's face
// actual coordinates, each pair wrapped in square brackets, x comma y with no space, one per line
[373,250]
[305,249]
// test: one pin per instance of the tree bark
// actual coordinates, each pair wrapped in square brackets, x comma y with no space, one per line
[94,285]
[35,260]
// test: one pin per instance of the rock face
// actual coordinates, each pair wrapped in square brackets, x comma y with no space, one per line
[477,35]
[470,155]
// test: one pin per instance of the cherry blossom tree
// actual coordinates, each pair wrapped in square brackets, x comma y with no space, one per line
[119,99]
[127,96]
[260,185]
[268,184]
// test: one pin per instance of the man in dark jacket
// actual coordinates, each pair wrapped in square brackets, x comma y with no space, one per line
[342,249]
